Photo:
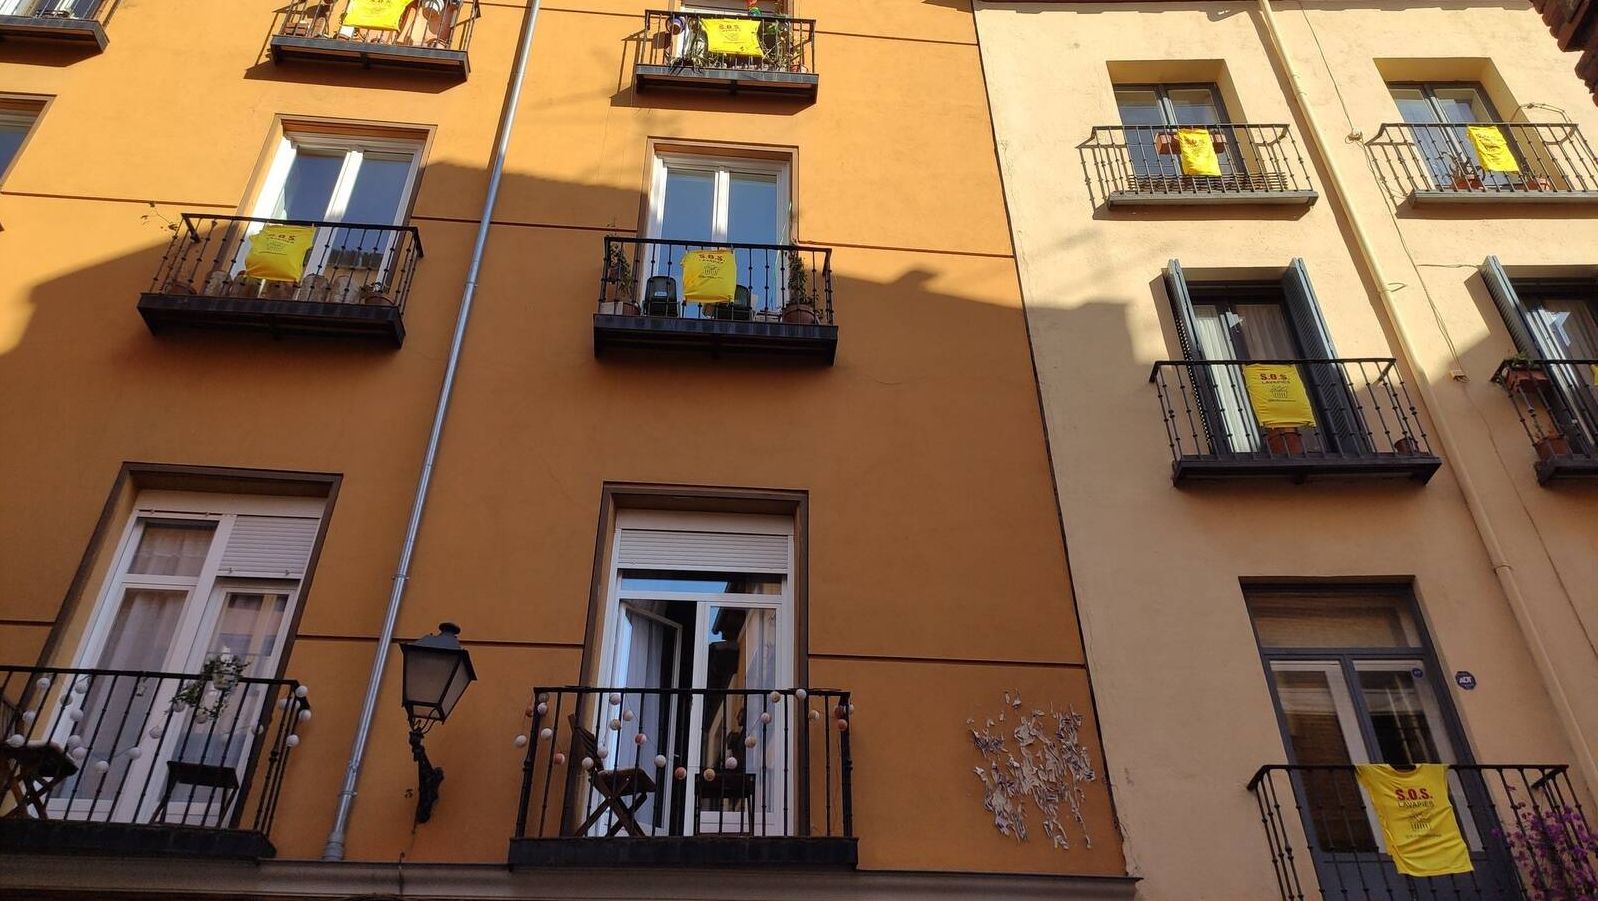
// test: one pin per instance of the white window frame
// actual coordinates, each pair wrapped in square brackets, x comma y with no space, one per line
[782,604]
[354,148]
[723,168]
[27,120]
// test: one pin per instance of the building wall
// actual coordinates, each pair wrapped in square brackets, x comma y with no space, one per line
[1182,695]
[937,575]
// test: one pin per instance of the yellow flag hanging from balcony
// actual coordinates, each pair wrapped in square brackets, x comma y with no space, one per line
[733,37]
[383,15]
[278,252]
[1276,392]
[1492,148]
[1198,152]
[1417,818]
[709,276]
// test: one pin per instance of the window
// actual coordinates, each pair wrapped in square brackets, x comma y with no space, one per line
[17,118]
[1440,112]
[330,178]
[195,576]
[1151,113]
[1556,319]
[1256,322]
[698,619]
[1354,682]
[712,202]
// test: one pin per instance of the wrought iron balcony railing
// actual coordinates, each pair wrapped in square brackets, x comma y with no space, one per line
[1552,160]
[354,279]
[1365,422]
[1525,828]
[703,776]
[1140,164]
[777,301]
[79,22]
[777,53]
[1557,402]
[431,35]
[116,760]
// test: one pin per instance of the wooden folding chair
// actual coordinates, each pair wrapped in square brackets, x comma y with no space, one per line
[622,791]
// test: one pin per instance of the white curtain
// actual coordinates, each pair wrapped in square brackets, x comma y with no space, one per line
[167,550]
[1236,419]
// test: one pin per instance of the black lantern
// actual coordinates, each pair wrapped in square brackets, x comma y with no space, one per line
[437,671]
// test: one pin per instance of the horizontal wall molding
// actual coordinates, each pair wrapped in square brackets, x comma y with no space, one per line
[49,876]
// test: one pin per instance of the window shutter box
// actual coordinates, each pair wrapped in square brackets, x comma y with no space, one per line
[702,551]
[277,547]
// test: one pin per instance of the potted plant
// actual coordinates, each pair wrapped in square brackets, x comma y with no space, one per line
[1551,445]
[1524,375]
[1465,176]
[619,272]
[1286,441]
[800,306]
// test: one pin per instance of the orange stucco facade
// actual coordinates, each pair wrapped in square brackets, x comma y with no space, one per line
[936,578]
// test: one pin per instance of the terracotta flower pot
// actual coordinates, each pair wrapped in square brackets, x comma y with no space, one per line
[1550,446]
[1285,441]
[1525,381]
[800,314]
[619,308]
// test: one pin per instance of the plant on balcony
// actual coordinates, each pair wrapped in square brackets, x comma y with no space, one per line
[1524,375]
[208,692]
[800,307]
[1555,852]
[619,273]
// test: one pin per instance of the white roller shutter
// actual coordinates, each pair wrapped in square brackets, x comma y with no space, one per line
[702,551]
[277,547]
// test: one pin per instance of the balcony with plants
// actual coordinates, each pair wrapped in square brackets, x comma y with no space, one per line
[1223,163]
[145,763]
[1516,162]
[70,23]
[284,277]
[758,53]
[771,300]
[427,36]
[1557,404]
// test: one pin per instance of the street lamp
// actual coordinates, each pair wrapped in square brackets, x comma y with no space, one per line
[437,671]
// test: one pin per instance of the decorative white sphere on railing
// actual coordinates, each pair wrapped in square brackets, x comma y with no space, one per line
[43,684]
[100,766]
[588,763]
[801,694]
[520,741]
[135,753]
[640,738]
[15,741]
[660,761]
[560,759]
[775,697]
[542,708]
[765,718]
[305,714]
[603,753]
[156,732]
[626,714]
[546,733]
[292,741]
[615,725]
[75,715]
[302,691]
[749,742]
[731,762]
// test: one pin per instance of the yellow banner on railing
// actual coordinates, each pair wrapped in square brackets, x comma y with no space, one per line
[709,276]
[1492,148]
[278,252]
[1276,392]
[733,37]
[382,15]
[1417,818]
[1198,151]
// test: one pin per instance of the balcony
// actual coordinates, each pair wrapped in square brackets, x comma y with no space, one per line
[700,777]
[778,58]
[353,282]
[431,37]
[780,307]
[122,762]
[76,23]
[1429,164]
[1139,165]
[1557,402]
[1365,423]
[1527,834]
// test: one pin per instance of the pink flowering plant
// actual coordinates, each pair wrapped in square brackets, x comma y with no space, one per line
[1555,851]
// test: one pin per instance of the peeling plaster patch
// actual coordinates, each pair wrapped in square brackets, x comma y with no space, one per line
[1051,770]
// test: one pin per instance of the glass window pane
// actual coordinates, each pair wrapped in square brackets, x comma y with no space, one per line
[754,211]
[171,549]
[690,205]
[379,191]
[1139,106]
[702,583]
[1315,732]
[1263,333]
[1404,732]
[1307,620]
[1194,106]
[11,136]
[1413,105]
[1461,105]
[741,654]
[309,187]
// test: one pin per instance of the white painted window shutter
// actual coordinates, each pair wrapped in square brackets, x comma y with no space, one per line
[277,547]
[702,551]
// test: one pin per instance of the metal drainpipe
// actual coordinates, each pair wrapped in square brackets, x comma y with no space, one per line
[1445,436]
[334,849]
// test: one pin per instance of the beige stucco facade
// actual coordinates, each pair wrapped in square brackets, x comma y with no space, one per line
[1159,571]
